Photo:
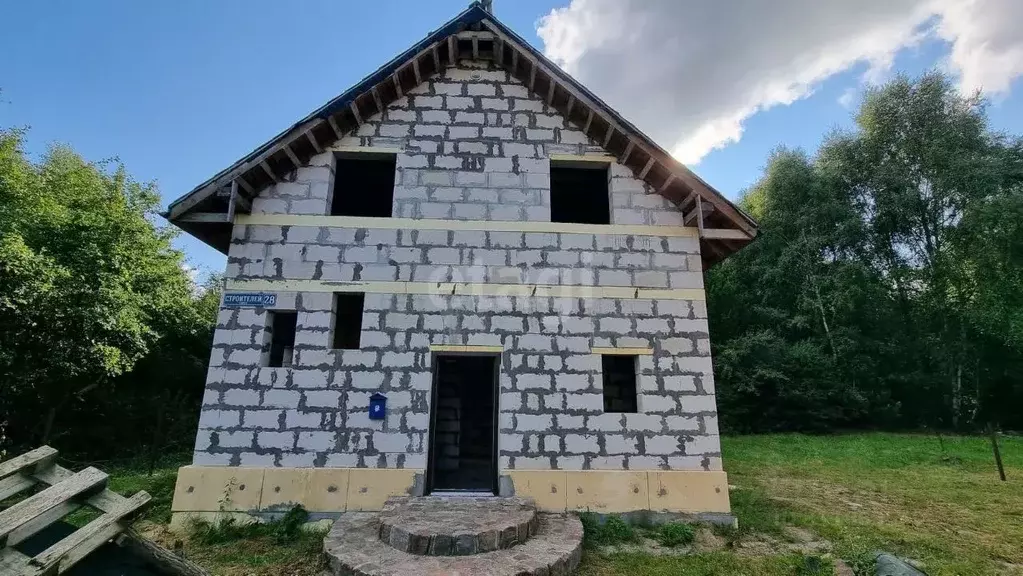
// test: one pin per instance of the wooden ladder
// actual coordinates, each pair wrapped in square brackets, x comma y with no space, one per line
[65,491]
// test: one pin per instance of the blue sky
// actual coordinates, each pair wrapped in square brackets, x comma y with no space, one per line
[179,90]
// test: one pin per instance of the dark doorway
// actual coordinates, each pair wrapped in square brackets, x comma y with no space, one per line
[463,431]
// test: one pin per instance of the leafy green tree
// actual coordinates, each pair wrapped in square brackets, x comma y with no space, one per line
[885,287]
[89,287]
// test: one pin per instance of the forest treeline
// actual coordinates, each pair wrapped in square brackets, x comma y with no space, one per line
[104,337]
[885,289]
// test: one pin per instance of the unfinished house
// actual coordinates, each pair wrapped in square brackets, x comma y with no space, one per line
[466,274]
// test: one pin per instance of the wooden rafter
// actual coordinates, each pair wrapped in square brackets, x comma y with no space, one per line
[355,112]
[499,52]
[435,51]
[532,76]
[312,140]
[646,169]
[334,127]
[515,61]
[246,186]
[475,47]
[232,204]
[608,135]
[291,156]
[397,84]
[550,90]
[415,71]
[667,184]
[689,199]
[377,99]
[589,121]
[568,108]
[628,150]
[452,50]
[269,171]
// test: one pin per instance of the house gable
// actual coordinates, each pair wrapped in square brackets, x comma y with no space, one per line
[476,34]
[472,143]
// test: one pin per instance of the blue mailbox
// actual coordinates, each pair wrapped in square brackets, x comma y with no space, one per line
[377,406]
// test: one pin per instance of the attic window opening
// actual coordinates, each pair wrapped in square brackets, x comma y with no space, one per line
[363,185]
[282,338]
[579,193]
[619,380]
[348,309]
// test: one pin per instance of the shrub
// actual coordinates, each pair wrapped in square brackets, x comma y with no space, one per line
[612,531]
[284,530]
[675,534]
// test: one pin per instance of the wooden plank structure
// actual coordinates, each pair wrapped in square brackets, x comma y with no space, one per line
[63,492]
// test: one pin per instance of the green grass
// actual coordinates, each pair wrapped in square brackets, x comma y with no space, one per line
[896,492]
[862,492]
[709,564]
[675,534]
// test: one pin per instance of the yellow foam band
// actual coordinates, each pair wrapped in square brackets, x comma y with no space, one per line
[468,289]
[596,158]
[455,348]
[481,225]
[623,351]
[216,491]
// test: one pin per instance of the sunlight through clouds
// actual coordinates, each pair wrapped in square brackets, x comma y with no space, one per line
[690,73]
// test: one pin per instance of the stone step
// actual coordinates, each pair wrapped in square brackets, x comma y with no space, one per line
[354,548]
[456,526]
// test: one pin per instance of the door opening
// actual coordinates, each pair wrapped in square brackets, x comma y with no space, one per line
[463,430]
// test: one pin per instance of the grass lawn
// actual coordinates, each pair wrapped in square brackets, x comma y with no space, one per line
[856,493]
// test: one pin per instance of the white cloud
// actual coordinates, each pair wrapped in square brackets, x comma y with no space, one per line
[690,72]
[987,41]
[847,99]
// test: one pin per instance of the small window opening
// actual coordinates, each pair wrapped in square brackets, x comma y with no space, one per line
[364,185]
[619,383]
[580,194]
[348,320]
[282,338]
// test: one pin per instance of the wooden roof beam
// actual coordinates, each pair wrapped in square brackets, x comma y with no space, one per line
[435,51]
[269,171]
[354,107]
[589,121]
[312,140]
[608,135]
[334,127]
[292,156]
[192,200]
[646,169]
[475,47]
[416,72]
[667,184]
[248,187]
[377,100]
[452,50]
[628,150]
[397,83]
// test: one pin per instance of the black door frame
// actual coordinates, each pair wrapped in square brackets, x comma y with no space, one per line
[495,455]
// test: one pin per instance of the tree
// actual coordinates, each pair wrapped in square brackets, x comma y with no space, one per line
[885,286]
[89,286]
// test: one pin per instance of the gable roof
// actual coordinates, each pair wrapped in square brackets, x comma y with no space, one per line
[206,211]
